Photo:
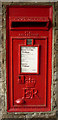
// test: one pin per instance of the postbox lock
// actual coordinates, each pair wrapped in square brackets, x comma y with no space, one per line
[21,79]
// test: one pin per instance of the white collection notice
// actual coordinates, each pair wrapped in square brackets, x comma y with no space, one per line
[29,59]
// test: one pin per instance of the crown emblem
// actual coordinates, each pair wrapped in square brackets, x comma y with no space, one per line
[30,83]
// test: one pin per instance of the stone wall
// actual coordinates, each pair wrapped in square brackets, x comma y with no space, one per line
[56,49]
[54,86]
[1,94]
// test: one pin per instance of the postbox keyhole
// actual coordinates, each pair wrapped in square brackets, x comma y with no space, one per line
[21,79]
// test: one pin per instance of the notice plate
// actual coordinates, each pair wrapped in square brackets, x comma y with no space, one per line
[29,59]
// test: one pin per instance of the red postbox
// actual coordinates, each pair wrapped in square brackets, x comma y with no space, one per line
[29,58]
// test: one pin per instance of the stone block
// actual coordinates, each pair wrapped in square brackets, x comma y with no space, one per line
[2,88]
[56,5]
[56,46]
[28,1]
[57,93]
[56,34]
[57,19]
[0,8]
[57,75]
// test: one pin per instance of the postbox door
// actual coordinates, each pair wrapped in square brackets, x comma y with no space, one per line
[29,72]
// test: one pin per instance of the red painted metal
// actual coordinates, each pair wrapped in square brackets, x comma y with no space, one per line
[28,92]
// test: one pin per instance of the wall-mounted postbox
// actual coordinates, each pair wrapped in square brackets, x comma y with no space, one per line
[28,58]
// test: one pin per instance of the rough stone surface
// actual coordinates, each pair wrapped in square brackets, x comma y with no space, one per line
[29,0]
[54,88]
